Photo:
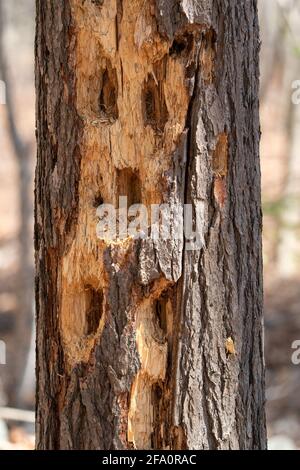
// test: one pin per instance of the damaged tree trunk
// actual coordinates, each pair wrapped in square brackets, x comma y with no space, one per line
[144,343]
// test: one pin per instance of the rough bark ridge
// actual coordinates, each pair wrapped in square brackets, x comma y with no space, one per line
[144,344]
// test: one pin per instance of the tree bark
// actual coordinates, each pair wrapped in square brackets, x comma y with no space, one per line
[144,344]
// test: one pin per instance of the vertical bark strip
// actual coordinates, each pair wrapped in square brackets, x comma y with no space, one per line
[142,343]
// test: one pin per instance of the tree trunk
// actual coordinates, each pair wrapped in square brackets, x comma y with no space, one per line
[144,343]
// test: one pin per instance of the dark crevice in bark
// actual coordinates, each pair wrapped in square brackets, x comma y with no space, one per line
[129,185]
[154,105]
[182,45]
[98,200]
[108,95]
[94,310]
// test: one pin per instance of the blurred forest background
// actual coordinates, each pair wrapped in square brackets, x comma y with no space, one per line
[280,156]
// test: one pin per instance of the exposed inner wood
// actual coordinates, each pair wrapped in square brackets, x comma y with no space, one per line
[207,56]
[108,94]
[220,168]
[133,97]
[220,155]
[154,105]
[153,350]
[129,185]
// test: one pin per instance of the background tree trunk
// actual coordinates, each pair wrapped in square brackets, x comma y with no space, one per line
[25,297]
[145,344]
[288,251]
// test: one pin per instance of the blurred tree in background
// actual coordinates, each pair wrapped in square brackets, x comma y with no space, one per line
[17,144]
[280,156]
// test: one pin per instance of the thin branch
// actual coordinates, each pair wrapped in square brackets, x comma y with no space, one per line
[14,414]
